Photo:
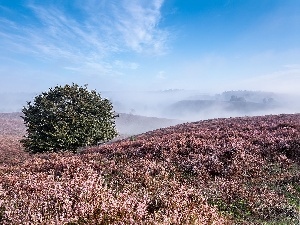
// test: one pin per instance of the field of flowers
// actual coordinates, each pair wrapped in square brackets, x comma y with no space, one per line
[221,171]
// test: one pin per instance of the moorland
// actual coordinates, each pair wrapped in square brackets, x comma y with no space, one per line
[242,170]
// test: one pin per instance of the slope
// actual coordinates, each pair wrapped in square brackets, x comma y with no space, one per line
[222,171]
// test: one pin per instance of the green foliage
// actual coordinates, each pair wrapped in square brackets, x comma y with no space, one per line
[238,209]
[132,138]
[66,118]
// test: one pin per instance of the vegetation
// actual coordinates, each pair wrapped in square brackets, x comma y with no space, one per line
[66,118]
[222,171]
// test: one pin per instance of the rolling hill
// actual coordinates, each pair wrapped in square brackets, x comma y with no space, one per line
[207,109]
[126,124]
[242,170]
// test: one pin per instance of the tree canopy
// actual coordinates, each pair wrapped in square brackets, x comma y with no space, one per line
[66,118]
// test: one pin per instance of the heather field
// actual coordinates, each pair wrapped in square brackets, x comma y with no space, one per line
[222,171]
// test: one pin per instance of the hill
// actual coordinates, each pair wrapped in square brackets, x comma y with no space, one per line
[222,171]
[129,124]
[126,124]
[208,109]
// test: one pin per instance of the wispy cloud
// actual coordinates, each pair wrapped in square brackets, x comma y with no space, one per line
[91,39]
[126,65]
[137,25]
[285,81]
[161,75]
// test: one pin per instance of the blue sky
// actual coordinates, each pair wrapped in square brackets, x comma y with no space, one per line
[211,45]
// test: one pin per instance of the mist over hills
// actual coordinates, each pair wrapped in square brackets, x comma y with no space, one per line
[134,124]
[180,104]
[194,105]
[126,124]
[191,109]
[14,101]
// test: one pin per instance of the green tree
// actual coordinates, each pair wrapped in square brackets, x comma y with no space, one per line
[66,118]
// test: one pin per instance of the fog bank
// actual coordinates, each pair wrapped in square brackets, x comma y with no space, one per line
[182,105]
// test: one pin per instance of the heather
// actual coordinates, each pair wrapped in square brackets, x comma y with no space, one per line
[222,171]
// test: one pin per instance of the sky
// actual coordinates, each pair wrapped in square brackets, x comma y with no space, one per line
[145,45]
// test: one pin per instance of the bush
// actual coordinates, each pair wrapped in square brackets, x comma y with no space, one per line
[67,118]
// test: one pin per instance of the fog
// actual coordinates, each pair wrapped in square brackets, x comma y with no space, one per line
[14,101]
[195,105]
[144,111]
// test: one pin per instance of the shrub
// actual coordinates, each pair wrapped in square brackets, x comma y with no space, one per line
[67,118]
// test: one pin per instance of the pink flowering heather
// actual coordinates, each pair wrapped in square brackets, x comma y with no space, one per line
[221,171]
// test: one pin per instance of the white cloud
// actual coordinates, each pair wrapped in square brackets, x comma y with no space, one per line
[126,65]
[284,81]
[137,22]
[161,75]
[91,40]
[292,66]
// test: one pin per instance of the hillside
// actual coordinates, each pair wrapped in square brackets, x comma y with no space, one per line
[223,171]
[129,124]
[191,109]
[126,124]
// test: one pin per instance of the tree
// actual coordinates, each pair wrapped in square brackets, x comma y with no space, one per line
[67,118]
[235,98]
